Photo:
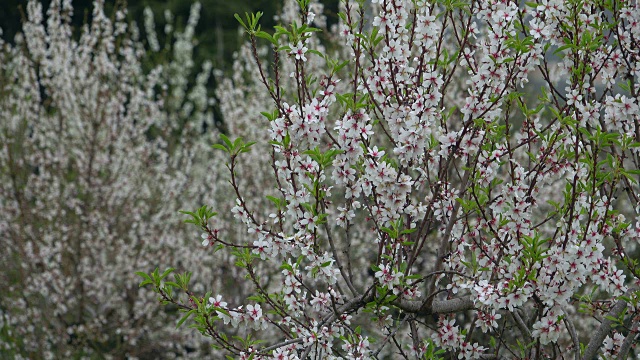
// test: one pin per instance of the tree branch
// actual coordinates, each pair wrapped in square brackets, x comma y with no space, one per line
[601,332]
[437,307]
[574,336]
[628,341]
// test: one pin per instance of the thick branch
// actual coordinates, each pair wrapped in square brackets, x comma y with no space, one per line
[521,325]
[628,341]
[437,307]
[601,332]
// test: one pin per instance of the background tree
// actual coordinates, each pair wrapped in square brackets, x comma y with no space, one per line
[100,149]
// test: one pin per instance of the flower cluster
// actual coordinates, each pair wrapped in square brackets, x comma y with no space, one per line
[449,336]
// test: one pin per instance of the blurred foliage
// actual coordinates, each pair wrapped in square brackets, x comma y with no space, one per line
[217,31]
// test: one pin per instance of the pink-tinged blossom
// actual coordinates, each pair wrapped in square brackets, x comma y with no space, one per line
[217,302]
[538,29]
[611,346]
[207,239]
[298,50]
[388,277]
[549,328]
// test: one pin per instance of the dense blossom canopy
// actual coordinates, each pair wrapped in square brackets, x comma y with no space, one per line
[444,179]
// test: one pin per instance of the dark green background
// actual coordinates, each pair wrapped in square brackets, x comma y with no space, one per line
[217,30]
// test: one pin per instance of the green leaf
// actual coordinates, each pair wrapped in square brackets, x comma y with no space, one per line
[166,273]
[316,52]
[264,35]
[226,140]
[146,282]
[220,147]
[240,20]
[143,275]
[185,317]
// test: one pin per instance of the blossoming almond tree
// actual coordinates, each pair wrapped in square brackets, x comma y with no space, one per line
[99,149]
[456,179]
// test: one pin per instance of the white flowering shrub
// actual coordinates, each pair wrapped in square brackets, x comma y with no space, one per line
[100,148]
[454,179]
